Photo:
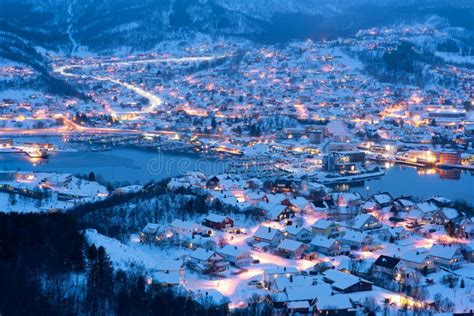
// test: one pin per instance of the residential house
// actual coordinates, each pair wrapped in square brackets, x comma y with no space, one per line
[419,260]
[235,255]
[447,256]
[446,215]
[298,233]
[404,204]
[428,209]
[151,233]
[186,227]
[301,299]
[255,197]
[346,282]
[300,205]
[440,201]
[369,207]
[364,222]
[386,267]
[276,212]
[466,228]
[207,261]
[298,280]
[326,228]
[168,272]
[347,199]
[216,221]
[328,246]
[291,249]
[393,234]
[356,240]
[268,235]
[213,183]
[382,199]
[271,274]
[284,186]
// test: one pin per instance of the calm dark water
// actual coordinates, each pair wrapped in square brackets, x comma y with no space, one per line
[117,165]
[403,180]
[141,166]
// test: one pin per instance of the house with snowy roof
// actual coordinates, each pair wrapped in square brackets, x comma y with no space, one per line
[301,298]
[356,240]
[206,261]
[347,199]
[419,260]
[328,246]
[275,198]
[447,256]
[271,274]
[168,278]
[276,212]
[440,201]
[368,206]
[386,267]
[298,233]
[217,221]
[293,249]
[404,204]
[364,222]
[152,232]
[319,298]
[446,215]
[382,199]
[213,183]
[427,208]
[284,186]
[324,227]
[186,227]
[168,272]
[345,282]
[300,205]
[235,255]
[394,234]
[281,284]
[268,235]
[255,197]
[334,304]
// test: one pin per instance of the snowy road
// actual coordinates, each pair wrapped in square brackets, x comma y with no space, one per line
[154,100]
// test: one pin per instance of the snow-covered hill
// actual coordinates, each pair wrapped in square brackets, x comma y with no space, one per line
[105,24]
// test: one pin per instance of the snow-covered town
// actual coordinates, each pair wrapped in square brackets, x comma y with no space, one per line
[329,173]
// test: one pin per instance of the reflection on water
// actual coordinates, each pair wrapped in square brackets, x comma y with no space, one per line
[119,164]
[422,183]
[135,165]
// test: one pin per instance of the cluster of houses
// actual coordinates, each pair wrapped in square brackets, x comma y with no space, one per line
[352,242]
[51,186]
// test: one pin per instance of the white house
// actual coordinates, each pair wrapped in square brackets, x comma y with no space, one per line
[297,232]
[364,222]
[447,256]
[269,235]
[292,249]
[328,246]
[356,240]
[271,274]
[235,255]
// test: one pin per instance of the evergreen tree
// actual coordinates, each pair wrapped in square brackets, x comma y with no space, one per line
[91,176]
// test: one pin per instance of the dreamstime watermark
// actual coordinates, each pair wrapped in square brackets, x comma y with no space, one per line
[166,165]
